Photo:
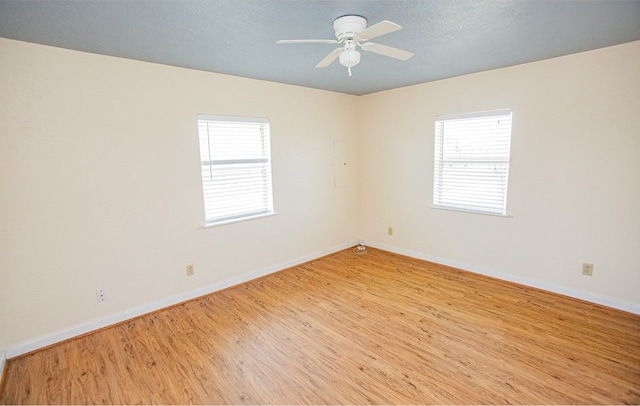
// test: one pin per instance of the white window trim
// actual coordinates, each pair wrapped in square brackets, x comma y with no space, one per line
[438,152]
[235,159]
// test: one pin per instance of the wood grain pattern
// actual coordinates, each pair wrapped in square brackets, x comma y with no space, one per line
[378,328]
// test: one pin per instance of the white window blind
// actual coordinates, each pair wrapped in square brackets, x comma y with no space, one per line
[236,168]
[472,162]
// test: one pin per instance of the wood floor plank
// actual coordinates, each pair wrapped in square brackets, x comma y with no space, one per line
[378,328]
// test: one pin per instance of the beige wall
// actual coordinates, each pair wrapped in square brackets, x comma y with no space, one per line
[574,185]
[100,184]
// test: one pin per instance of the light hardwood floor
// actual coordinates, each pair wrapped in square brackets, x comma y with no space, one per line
[375,328]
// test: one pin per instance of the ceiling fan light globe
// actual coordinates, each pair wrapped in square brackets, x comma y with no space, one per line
[350,58]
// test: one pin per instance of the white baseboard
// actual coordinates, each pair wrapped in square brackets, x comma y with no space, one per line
[3,360]
[562,290]
[93,325]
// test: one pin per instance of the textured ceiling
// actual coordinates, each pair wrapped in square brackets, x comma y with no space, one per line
[237,37]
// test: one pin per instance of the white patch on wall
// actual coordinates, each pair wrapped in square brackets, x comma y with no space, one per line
[340,164]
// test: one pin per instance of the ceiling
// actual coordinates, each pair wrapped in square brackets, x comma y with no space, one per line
[237,37]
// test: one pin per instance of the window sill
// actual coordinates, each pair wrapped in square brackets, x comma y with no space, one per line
[238,220]
[470,211]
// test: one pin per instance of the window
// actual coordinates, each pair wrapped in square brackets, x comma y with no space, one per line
[236,168]
[472,162]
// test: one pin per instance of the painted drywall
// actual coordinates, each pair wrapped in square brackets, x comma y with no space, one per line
[100,187]
[574,183]
[100,184]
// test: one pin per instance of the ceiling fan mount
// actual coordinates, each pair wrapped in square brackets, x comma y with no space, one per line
[347,27]
[351,32]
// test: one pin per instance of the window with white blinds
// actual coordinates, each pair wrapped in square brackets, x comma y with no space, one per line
[236,168]
[472,162]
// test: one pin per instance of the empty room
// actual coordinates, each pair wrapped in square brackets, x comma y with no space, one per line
[319,202]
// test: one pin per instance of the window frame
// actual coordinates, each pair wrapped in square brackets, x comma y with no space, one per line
[498,159]
[257,158]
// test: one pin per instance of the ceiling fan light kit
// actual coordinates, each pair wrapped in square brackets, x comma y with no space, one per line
[349,57]
[352,32]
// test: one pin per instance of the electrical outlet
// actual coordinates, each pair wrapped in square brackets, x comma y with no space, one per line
[587,269]
[101,294]
[190,270]
[390,230]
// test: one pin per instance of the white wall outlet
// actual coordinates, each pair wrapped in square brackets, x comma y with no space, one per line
[587,269]
[190,270]
[101,294]
[389,230]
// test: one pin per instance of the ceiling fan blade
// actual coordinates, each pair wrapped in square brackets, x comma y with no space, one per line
[329,58]
[376,30]
[307,41]
[387,51]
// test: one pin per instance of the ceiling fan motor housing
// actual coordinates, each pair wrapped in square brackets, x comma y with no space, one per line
[348,27]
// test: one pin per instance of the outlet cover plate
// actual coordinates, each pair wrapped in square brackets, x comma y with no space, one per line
[587,269]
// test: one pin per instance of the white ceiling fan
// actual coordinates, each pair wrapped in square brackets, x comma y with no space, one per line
[352,32]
